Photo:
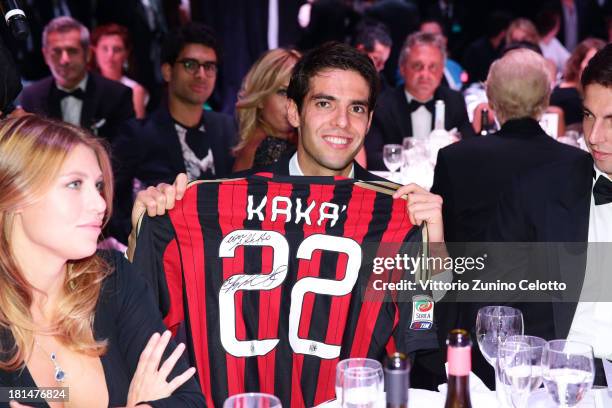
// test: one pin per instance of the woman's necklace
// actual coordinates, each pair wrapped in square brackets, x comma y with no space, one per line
[60,374]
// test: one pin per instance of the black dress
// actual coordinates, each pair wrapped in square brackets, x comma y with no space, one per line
[270,150]
[570,101]
[127,317]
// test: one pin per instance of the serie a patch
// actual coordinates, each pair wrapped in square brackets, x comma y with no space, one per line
[422,312]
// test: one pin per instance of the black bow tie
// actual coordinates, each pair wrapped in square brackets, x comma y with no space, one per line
[602,191]
[77,93]
[414,105]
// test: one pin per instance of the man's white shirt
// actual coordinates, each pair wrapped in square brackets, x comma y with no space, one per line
[72,106]
[592,323]
[421,119]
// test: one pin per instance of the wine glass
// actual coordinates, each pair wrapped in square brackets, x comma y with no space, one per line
[407,145]
[361,388]
[519,367]
[568,371]
[493,325]
[252,400]
[392,157]
[350,363]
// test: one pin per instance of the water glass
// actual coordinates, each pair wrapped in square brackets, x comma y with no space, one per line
[366,364]
[252,400]
[568,371]
[519,367]
[361,388]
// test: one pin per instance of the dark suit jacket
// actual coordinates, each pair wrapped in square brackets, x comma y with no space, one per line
[150,151]
[470,176]
[550,204]
[104,99]
[590,21]
[391,122]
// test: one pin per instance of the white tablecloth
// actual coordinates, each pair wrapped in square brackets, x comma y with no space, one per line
[596,398]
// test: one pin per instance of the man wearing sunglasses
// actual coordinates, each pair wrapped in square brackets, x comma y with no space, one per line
[180,136]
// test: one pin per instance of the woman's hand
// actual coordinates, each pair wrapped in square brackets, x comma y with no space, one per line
[149,383]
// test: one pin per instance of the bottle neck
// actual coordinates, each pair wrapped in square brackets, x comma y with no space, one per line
[459,389]
[439,116]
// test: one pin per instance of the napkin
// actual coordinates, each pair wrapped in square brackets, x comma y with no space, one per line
[480,394]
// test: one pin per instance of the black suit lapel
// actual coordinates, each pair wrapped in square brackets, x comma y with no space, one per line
[54,107]
[89,104]
[164,125]
[402,111]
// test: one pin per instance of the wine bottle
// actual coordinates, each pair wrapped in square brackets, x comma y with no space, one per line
[439,137]
[484,122]
[459,357]
[397,377]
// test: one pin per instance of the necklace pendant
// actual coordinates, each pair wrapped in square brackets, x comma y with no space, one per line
[60,375]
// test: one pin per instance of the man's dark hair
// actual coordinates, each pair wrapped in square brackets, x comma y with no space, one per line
[497,22]
[368,32]
[599,69]
[332,55]
[546,20]
[192,33]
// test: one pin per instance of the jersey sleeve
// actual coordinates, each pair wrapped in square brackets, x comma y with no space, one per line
[156,258]
[415,333]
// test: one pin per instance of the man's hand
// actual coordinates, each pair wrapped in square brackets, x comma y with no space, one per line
[157,200]
[424,206]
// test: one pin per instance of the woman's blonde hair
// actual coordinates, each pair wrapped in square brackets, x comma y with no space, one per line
[527,26]
[263,79]
[32,151]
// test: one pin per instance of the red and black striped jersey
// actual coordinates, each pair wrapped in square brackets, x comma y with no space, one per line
[268,275]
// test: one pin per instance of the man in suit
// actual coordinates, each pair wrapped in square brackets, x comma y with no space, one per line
[471,174]
[571,202]
[180,136]
[72,94]
[408,111]
[331,94]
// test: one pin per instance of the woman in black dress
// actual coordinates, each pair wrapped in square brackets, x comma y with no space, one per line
[568,95]
[69,316]
[265,132]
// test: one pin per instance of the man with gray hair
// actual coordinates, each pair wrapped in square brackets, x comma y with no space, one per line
[470,175]
[71,93]
[408,111]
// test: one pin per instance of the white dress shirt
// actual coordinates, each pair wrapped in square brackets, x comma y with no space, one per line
[556,52]
[592,322]
[71,106]
[421,119]
[295,170]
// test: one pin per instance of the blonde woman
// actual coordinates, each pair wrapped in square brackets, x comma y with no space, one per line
[522,30]
[70,317]
[265,132]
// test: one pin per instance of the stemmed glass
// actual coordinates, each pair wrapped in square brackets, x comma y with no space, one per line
[519,367]
[493,325]
[359,366]
[392,157]
[252,400]
[568,371]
